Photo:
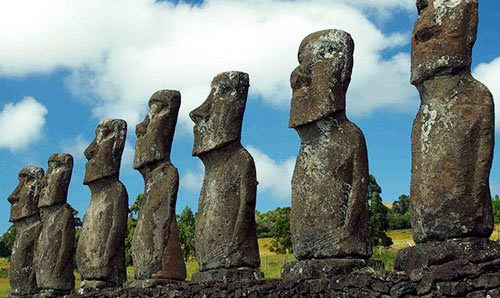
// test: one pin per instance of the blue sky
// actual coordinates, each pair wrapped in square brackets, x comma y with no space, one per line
[64,66]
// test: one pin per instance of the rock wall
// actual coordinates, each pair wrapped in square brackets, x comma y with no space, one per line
[357,284]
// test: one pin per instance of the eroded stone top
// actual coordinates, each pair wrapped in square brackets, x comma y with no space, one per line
[443,37]
[104,154]
[219,119]
[55,183]
[321,80]
[156,132]
[24,198]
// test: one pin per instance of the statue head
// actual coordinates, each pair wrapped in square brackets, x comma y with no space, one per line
[55,184]
[443,37]
[156,132]
[24,198]
[104,154]
[218,120]
[321,80]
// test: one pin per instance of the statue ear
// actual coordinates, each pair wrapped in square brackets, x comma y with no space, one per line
[421,5]
[120,132]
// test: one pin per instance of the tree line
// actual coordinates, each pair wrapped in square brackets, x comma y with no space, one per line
[273,224]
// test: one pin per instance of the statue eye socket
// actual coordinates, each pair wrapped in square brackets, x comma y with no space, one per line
[421,5]
[426,34]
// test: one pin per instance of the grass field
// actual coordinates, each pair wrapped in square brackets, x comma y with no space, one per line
[4,277]
[271,263]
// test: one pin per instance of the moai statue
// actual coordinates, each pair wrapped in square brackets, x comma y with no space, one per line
[452,141]
[54,249]
[24,214]
[329,216]
[100,254]
[225,236]
[156,249]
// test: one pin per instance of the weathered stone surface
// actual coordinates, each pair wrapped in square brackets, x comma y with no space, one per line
[100,254]
[453,133]
[469,250]
[26,219]
[355,284]
[219,119]
[443,37]
[228,275]
[329,217]
[225,235]
[151,283]
[54,249]
[50,293]
[453,267]
[326,268]
[156,249]
[24,198]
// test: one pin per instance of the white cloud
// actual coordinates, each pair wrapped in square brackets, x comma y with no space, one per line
[274,176]
[21,123]
[489,74]
[128,154]
[119,52]
[192,180]
[75,146]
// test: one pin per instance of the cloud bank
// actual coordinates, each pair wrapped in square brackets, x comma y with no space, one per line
[119,52]
[21,123]
[275,177]
[489,74]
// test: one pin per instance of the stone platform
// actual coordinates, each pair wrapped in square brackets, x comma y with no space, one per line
[364,283]
[325,268]
[457,265]
[227,275]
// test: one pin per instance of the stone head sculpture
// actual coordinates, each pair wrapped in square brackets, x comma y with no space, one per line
[155,133]
[105,152]
[54,185]
[443,37]
[24,198]
[219,119]
[321,80]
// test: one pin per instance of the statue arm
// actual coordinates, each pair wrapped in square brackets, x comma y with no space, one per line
[67,243]
[246,211]
[173,188]
[357,198]
[484,160]
[118,226]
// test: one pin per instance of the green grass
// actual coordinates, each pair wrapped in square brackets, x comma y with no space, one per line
[386,255]
[401,238]
[496,233]
[4,277]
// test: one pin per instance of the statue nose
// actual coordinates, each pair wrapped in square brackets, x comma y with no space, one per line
[14,196]
[89,152]
[197,115]
[298,78]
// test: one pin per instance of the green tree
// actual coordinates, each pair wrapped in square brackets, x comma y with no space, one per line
[282,239]
[402,205]
[186,223]
[496,208]
[275,224]
[379,223]
[264,224]
[131,224]
[399,215]
[7,242]
[78,227]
